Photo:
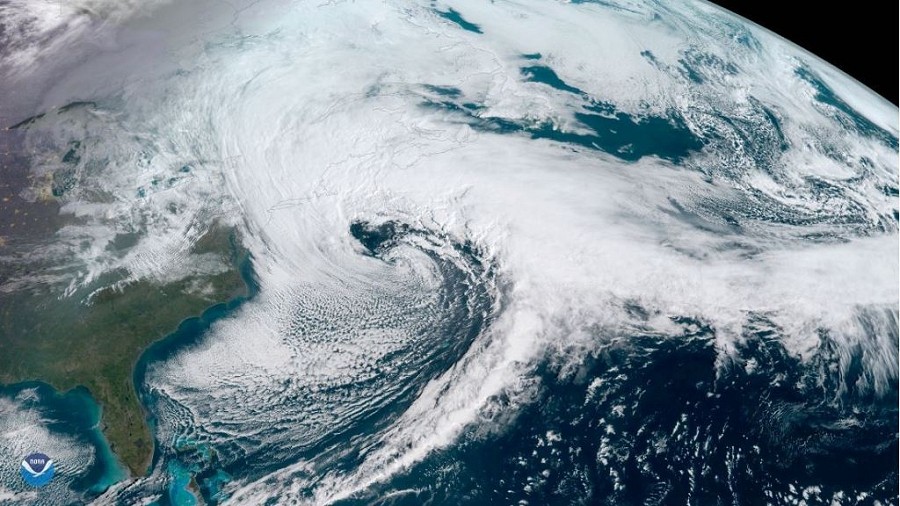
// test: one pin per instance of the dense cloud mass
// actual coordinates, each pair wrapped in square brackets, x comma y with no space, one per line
[510,252]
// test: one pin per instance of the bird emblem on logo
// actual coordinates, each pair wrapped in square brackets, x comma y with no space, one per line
[37,469]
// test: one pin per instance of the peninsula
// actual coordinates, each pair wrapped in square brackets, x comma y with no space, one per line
[67,342]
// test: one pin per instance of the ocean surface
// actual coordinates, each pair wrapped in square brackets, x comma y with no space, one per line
[66,427]
[616,252]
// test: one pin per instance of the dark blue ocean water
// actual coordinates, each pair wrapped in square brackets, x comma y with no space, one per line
[648,419]
[605,129]
[76,415]
[656,420]
[211,466]
[189,333]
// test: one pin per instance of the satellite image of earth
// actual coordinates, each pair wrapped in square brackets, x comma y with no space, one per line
[520,252]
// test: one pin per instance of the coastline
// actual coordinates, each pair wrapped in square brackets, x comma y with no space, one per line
[189,332]
[74,413]
[85,411]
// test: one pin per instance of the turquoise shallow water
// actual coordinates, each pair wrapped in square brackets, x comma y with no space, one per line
[189,333]
[179,493]
[73,415]
[197,463]
[590,243]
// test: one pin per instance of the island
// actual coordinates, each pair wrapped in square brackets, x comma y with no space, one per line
[95,341]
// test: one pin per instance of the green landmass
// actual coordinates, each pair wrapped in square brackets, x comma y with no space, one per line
[66,342]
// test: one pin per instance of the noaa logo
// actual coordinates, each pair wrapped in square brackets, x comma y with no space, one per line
[37,469]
